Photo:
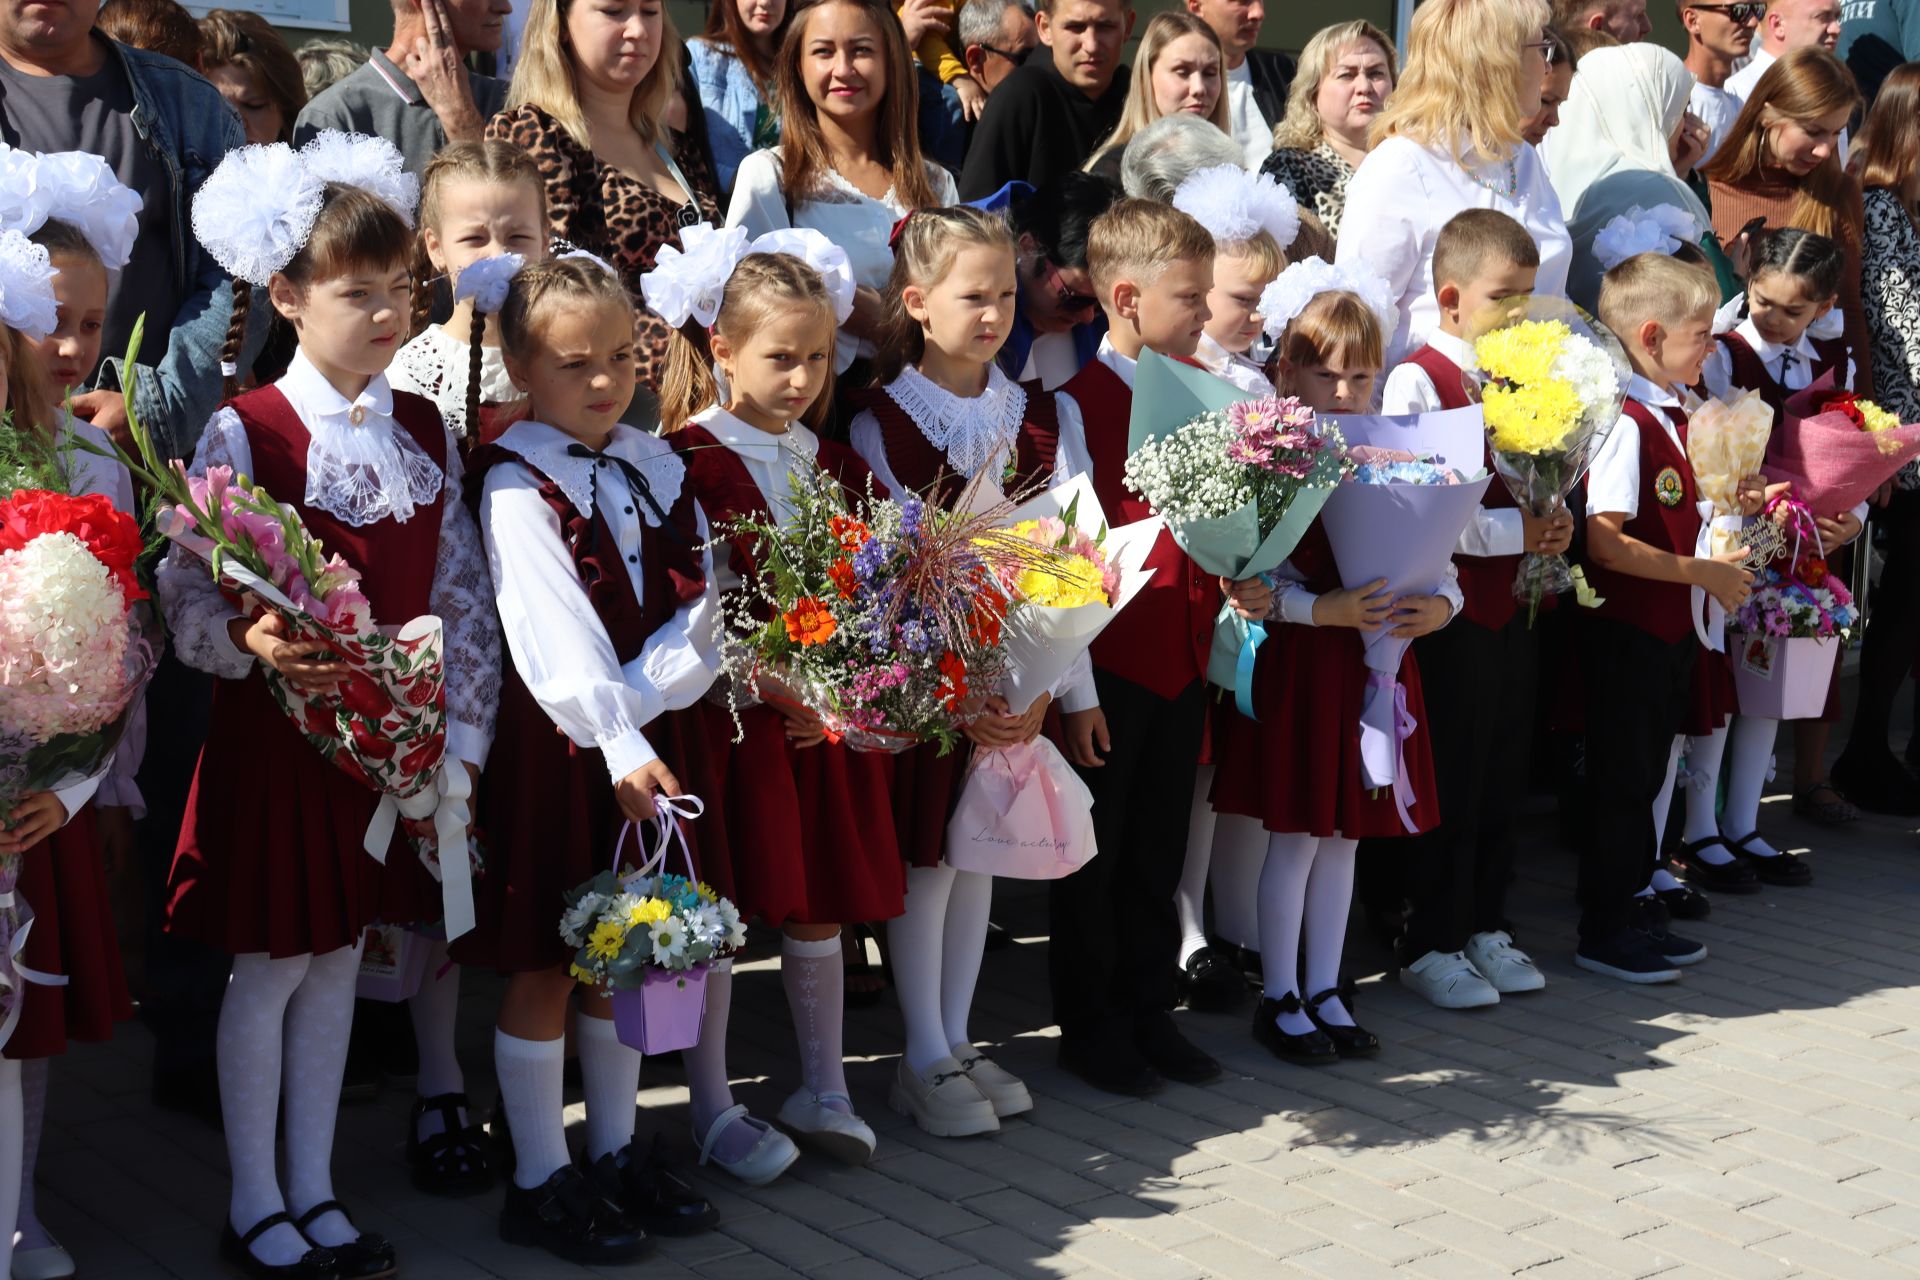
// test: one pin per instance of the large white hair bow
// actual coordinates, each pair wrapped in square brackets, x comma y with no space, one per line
[689,282]
[77,187]
[1661,229]
[820,253]
[1300,283]
[1233,205]
[486,281]
[372,164]
[26,287]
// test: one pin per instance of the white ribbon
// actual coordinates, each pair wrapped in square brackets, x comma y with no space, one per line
[17,948]
[446,803]
[1385,726]
[1709,619]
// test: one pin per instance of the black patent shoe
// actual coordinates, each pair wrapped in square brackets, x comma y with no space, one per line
[368,1256]
[236,1252]
[1348,1042]
[1721,877]
[1313,1049]
[652,1194]
[1211,983]
[569,1218]
[1786,869]
[456,1161]
[1685,902]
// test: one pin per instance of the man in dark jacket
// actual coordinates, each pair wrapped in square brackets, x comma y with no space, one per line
[1257,79]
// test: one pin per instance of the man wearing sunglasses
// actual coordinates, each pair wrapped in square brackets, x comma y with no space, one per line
[1718,36]
[995,37]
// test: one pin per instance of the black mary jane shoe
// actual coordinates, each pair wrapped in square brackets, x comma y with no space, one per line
[652,1193]
[1720,877]
[1313,1049]
[1786,869]
[368,1256]
[236,1251]
[1685,902]
[455,1161]
[1349,1041]
[568,1218]
[1211,983]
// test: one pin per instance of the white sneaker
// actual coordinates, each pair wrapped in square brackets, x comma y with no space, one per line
[944,1102]
[1506,967]
[1003,1089]
[1449,981]
[832,1132]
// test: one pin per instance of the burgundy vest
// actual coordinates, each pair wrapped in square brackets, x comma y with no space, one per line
[395,559]
[1486,582]
[1661,608]
[1160,641]
[1750,373]
[925,470]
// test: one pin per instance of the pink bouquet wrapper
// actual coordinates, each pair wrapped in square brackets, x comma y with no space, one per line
[1024,814]
[1832,464]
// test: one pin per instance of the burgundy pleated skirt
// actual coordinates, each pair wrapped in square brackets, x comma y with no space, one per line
[65,882]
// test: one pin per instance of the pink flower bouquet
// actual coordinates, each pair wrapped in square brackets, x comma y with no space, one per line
[1836,449]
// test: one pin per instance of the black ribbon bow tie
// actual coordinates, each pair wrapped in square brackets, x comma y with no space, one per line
[636,485]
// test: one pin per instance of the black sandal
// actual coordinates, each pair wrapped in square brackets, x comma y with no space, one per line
[1721,877]
[237,1251]
[865,998]
[1785,869]
[453,1162]
[368,1256]
[1348,1042]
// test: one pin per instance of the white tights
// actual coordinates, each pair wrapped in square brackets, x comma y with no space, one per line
[1305,879]
[1749,760]
[935,948]
[33,1122]
[11,1156]
[435,1010]
[1226,851]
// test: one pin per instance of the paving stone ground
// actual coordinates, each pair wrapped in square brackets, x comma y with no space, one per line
[1757,1120]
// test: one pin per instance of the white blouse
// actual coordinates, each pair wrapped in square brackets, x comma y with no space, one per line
[1790,366]
[461,596]
[558,643]
[1403,193]
[769,459]
[434,365]
[843,213]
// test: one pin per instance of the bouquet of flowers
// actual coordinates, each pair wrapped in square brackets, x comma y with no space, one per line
[886,619]
[1835,449]
[652,935]
[1792,627]
[1725,444]
[74,657]
[1555,382]
[385,724]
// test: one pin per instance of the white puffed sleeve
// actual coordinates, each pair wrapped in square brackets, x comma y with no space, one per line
[758,203]
[462,598]
[870,443]
[1075,690]
[197,613]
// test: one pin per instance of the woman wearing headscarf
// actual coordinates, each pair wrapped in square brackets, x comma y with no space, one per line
[1614,149]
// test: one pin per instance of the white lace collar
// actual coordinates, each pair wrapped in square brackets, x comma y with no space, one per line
[546,449]
[434,364]
[362,466]
[973,431]
[751,442]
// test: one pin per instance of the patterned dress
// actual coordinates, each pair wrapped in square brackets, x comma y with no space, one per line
[1317,178]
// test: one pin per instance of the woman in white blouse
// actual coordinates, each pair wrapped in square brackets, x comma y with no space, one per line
[849,162]
[1450,140]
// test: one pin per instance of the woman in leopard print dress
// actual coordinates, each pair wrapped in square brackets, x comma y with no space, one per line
[1345,75]
[620,184]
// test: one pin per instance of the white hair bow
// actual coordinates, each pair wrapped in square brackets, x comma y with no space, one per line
[689,282]
[26,287]
[76,187]
[486,281]
[1300,283]
[1661,229]
[1233,205]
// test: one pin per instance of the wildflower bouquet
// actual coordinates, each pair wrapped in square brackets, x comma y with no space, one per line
[74,657]
[1835,449]
[884,618]
[1789,633]
[1555,380]
[385,725]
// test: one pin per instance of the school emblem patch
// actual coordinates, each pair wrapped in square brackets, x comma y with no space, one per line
[1667,487]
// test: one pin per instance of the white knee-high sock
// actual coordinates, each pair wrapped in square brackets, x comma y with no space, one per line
[10,1158]
[1703,786]
[1329,896]
[610,1077]
[916,945]
[435,1009]
[33,1121]
[1189,899]
[1663,803]
[1283,903]
[709,1092]
[249,1050]
[816,996]
[532,1092]
[1750,754]
[966,942]
[319,1024]
[1239,853]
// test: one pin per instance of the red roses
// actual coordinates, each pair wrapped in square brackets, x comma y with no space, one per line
[111,536]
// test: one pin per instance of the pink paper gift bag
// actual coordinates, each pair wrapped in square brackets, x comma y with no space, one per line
[1023,814]
[1783,679]
[393,963]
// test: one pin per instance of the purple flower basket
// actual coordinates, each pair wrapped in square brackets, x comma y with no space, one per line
[664,1013]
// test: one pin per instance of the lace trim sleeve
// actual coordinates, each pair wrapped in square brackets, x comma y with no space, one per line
[197,613]
[462,597]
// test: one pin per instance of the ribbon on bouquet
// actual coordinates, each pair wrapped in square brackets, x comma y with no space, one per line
[1385,726]
[1243,668]
[446,803]
[668,813]
[1709,619]
[17,947]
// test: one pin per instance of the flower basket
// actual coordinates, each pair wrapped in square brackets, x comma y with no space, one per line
[1783,678]
[664,1012]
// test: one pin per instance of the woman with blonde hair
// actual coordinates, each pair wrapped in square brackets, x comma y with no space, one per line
[1338,91]
[589,101]
[1449,140]
[1180,67]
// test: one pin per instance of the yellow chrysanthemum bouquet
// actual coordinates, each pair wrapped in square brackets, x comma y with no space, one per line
[1554,379]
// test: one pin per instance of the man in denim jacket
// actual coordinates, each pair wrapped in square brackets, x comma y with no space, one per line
[64,87]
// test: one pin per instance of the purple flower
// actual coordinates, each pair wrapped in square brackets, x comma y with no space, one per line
[911,513]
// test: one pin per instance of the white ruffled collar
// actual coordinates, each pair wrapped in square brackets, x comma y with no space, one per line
[362,466]
[436,362]
[972,431]
[751,442]
[546,449]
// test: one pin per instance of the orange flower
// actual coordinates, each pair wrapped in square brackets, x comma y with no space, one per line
[953,680]
[808,622]
[852,533]
[1813,571]
[841,572]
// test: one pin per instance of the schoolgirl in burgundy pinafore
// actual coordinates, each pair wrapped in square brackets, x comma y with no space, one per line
[1297,766]
[926,784]
[810,829]
[548,817]
[271,854]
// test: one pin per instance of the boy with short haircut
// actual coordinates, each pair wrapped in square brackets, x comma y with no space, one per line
[1115,933]
[1637,649]
[1457,949]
